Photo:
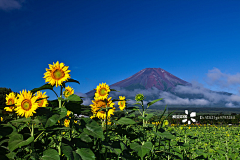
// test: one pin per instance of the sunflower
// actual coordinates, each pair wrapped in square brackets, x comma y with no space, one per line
[165,122]
[66,122]
[26,104]
[139,97]
[57,74]
[68,91]
[98,103]
[68,113]
[122,104]
[102,91]
[42,102]
[10,99]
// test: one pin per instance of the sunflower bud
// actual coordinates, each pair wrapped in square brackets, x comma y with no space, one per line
[139,97]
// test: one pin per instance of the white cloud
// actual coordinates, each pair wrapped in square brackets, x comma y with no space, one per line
[235,98]
[8,5]
[171,99]
[223,80]
[209,97]
[230,105]
[168,98]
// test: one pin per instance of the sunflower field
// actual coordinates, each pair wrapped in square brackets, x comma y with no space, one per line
[39,129]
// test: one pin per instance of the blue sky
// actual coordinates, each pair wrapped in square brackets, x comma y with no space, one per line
[108,41]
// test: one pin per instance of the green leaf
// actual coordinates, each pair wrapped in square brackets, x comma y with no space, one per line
[141,117]
[167,135]
[45,86]
[60,98]
[72,80]
[84,137]
[16,141]
[22,120]
[125,120]
[154,101]
[67,151]
[63,113]
[76,156]
[41,99]
[74,97]
[131,115]
[50,154]
[137,103]
[94,130]
[114,90]
[11,155]
[142,150]
[115,146]
[86,154]
[52,120]
[149,116]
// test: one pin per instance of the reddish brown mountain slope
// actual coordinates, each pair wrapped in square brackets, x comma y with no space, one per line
[148,78]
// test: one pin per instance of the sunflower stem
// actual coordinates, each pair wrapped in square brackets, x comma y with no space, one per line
[102,123]
[32,135]
[143,114]
[106,136]
[60,101]
[39,135]
[59,145]
[60,138]
[60,97]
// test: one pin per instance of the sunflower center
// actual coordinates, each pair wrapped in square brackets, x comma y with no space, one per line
[103,91]
[26,105]
[101,104]
[10,101]
[58,74]
[121,103]
[40,103]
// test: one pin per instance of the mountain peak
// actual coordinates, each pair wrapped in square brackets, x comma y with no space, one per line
[148,78]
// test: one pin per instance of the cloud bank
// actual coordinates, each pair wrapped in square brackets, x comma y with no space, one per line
[223,80]
[208,97]
[182,93]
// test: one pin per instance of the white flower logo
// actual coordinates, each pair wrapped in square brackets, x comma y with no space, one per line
[193,114]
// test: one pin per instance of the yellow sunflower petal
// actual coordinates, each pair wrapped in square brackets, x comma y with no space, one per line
[68,113]
[10,99]
[68,91]
[57,74]
[102,91]
[66,122]
[122,104]
[43,102]
[26,104]
[98,104]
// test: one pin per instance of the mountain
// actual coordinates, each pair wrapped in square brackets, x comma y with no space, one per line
[148,78]
[177,94]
